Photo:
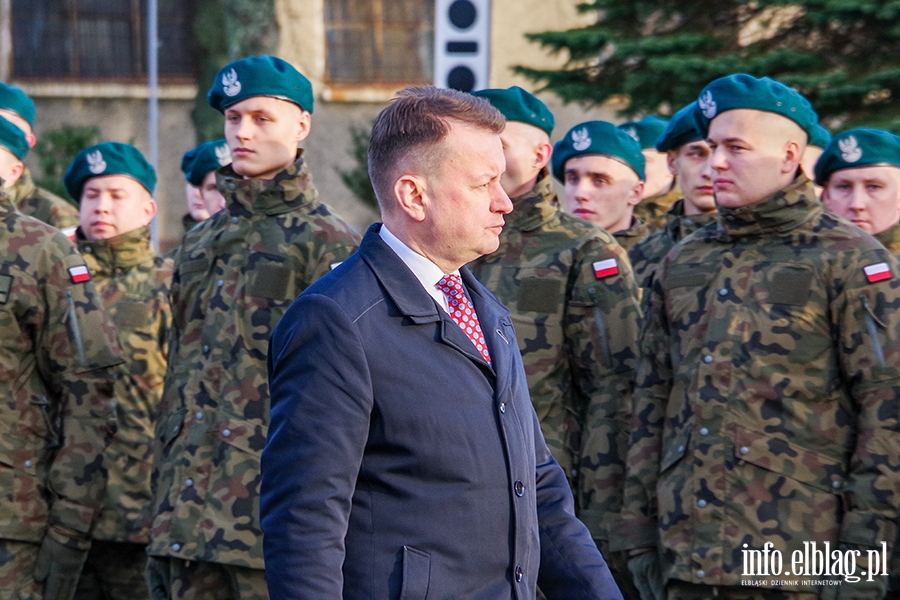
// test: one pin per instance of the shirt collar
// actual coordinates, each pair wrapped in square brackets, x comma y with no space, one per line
[425,271]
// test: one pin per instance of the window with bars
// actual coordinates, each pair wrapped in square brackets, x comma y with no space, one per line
[379,42]
[98,40]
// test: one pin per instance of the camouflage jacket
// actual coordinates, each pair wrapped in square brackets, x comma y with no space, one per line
[43,205]
[235,276]
[766,401]
[646,255]
[636,232]
[890,239]
[577,329]
[57,350]
[653,210]
[133,282]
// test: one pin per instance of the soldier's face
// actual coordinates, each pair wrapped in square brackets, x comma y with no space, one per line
[690,165]
[113,205]
[868,197]
[602,190]
[659,179]
[459,207]
[263,134]
[527,150]
[213,200]
[195,205]
[753,155]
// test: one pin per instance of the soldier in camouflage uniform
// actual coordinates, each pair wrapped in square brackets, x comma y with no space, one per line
[687,156]
[18,108]
[768,389]
[859,171]
[114,184]
[199,166]
[57,353]
[602,168]
[573,302]
[661,188]
[235,276]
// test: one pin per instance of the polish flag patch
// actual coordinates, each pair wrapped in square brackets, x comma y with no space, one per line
[79,274]
[878,272]
[69,232]
[606,268]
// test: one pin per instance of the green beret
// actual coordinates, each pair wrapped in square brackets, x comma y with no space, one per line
[259,76]
[597,137]
[682,129]
[858,148]
[518,105]
[108,158]
[14,99]
[206,157]
[745,91]
[819,137]
[646,131]
[13,139]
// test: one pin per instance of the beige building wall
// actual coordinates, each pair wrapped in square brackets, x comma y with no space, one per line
[302,43]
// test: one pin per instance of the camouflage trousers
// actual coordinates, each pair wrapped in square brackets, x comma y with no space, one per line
[114,571]
[176,579]
[678,590]
[16,565]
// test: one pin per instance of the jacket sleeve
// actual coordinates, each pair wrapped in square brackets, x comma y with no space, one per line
[601,328]
[77,347]
[571,565]
[869,343]
[638,526]
[321,398]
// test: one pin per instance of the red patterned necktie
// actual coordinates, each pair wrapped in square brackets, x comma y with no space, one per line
[462,312]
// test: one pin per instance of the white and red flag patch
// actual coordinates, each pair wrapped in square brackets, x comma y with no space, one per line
[69,232]
[606,268]
[79,274]
[877,272]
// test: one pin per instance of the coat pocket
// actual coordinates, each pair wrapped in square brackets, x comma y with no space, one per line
[416,574]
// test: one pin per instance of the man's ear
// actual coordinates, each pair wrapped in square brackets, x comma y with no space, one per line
[793,154]
[29,137]
[410,194]
[637,194]
[304,123]
[542,155]
[149,211]
[671,156]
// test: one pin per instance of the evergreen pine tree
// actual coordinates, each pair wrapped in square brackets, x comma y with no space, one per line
[841,54]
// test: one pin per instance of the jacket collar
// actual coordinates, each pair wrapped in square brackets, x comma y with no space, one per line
[638,228]
[679,226]
[289,190]
[890,239]
[121,252]
[407,293]
[783,211]
[535,207]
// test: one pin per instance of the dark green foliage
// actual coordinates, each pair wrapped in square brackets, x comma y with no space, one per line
[357,179]
[841,54]
[55,150]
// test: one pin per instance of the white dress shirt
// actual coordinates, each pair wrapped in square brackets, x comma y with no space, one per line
[425,271]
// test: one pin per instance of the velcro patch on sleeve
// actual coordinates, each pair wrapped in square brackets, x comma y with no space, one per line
[79,274]
[878,272]
[606,268]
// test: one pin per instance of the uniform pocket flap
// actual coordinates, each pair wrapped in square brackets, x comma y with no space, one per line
[416,574]
[272,281]
[785,458]
[198,265]
[681,276]
[675,450]
[133,315]
[540,295]
[248,436]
